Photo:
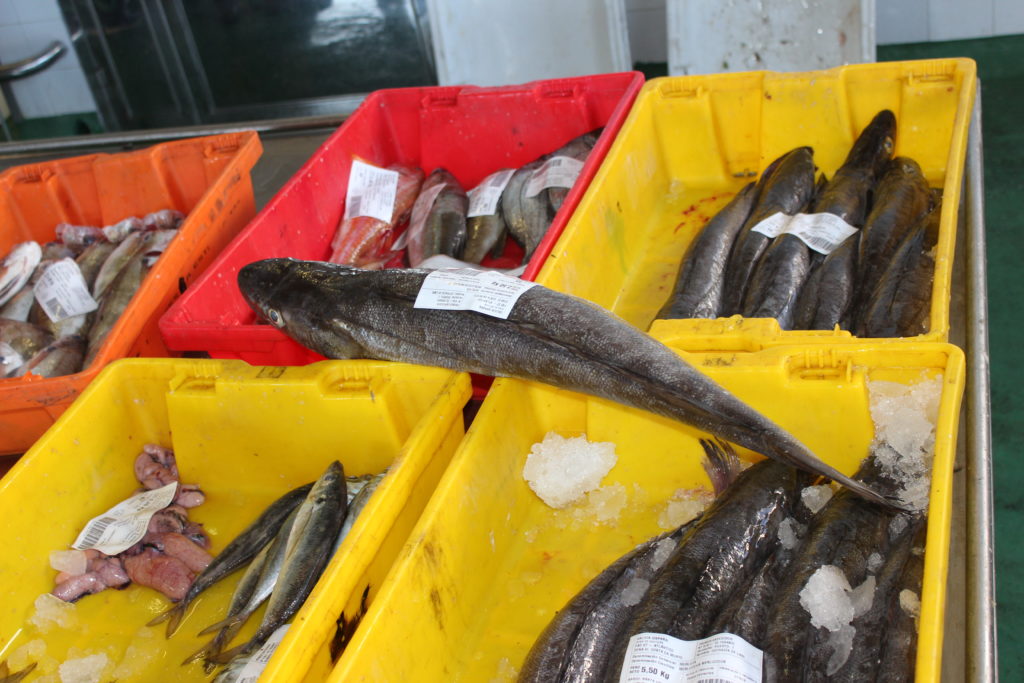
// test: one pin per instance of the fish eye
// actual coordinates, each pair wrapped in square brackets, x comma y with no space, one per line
[274,317]
[888,144]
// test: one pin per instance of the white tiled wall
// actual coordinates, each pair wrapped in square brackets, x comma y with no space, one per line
[27,27]
[898,21]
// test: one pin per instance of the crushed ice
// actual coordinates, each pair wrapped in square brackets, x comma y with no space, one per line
[84,670]
[904,417]
[815,497]
[875,562]
[833,605]
[790,532]
[683,506]
[633,593]
[51,610]
[560,470]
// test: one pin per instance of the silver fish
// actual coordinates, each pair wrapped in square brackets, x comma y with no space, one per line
[17,268]
[119,257]
[355,506]
[548,337]
[62,357]
[527,218]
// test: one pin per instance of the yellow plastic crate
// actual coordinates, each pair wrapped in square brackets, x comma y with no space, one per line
[246,435]
[691,142]
[489,563]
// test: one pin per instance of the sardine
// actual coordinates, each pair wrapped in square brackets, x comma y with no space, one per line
[355,506]
[784,187]
[701,278]
[17,268]
[527,218]
[307,551]
[444,227]
[548,337]
[238,552]
[900,304]
[253,589]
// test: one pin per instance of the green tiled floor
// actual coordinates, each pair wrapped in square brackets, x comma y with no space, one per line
[1001,70]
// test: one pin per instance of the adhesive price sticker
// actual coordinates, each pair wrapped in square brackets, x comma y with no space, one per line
[371,192]
[258,662]
[62,292]
[555,172]
[124,525]
[773,226]
[822,232]
[465,289]
[483,199]
[659,658]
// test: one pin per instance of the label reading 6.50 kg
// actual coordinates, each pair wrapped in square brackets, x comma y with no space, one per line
[659,658]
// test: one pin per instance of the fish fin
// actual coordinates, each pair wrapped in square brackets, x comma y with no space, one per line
[233,620]
[4,669]
[171,616]
[19,675]
[721,463]
[227,655]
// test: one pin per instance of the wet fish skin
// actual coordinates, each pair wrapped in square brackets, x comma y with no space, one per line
[444,227]
[355,506]
[901,197]
[750,509]
[777,281]
[589,658]
[307,552]
[899,649]
[826,299]
[20,305]
[91,260]
[549,651]
[846,195]
[483,234]
[17,268]
[901,302]
[549,337]
[124,252]
[701,278]
[578,148]
[527,218]
[115,300]
[24,337]
[237,553]
[785,187]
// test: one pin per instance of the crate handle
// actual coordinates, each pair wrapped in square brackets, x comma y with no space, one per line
[676,90]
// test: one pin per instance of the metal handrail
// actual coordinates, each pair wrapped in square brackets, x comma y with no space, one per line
[31,65]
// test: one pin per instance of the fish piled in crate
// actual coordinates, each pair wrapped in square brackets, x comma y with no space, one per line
[856,250]
[59,301]
[437,217]
[777,580]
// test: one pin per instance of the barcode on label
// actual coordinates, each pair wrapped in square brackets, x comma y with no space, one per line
[54,305]
[95,532]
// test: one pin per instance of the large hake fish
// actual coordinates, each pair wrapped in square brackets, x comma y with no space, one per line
[548,337]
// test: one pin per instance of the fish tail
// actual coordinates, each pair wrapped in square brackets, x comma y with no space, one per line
[206,651]
[17,676]
[721,463]
[227,655]
[171,616]
[229,621]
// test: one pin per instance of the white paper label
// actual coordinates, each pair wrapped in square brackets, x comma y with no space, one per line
[773,226]
[465,289]
[822,232]
[252,670]
[62,293]
[124,525]
[483,199]
[555,172]
[371,192]
[722,658]
[9,358]
[420,211]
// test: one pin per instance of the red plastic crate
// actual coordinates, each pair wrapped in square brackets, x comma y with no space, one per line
[470,131]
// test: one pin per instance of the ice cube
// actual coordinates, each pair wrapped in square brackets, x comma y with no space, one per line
[32,651]
[790,531]
[826,597]
[603,505]
[85,670]
[50,611]
[815,497]
[684,506]
[561,470]
[910,603]
[862,596]
[662,551]
[633,593]
[841,643]
[73,562]
[875,562]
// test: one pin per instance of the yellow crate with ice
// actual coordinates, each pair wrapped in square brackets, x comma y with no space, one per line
[490,563]
[245,435]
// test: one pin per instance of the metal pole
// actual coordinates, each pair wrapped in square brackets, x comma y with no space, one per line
[981,599]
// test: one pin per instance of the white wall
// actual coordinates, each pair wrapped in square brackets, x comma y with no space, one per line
[27,27]
[898,21]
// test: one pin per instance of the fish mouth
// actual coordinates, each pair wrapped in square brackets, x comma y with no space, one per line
[259,280]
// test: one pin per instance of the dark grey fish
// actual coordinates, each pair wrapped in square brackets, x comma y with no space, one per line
[729,542]
[899,649]
[901,198]
[444,228]
[578,148]
[238,552]
[699,284]
[778,280]
[872,628]
[527,218]
[900,304]
[785,187]
[307,552]
[827,295]
[549,337]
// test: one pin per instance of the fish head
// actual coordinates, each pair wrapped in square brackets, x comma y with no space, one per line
[876,144]
[292,296]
